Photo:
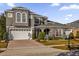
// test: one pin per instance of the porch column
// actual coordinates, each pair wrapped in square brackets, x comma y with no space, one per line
[51,32]
[62,32]
[42,30]
[36,33]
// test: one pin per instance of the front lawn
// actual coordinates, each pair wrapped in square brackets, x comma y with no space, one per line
[53,42]
[61,47]
[66,47]
[3,44]
[58,42]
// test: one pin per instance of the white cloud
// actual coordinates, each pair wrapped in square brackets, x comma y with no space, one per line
[11,4]
[66,18]
[55,4]
[73,6]
[69,15]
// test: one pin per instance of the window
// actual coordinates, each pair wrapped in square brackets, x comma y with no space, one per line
[36,21]
[24,17]
[18,17]
[21,17]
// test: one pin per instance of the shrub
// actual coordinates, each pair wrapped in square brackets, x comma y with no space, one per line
[71,36]
[41,35]
[57,38]
[2,26]
[1,35]
[33,36]
[5,36]
[50,38]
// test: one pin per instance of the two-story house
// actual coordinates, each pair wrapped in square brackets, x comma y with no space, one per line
[21,23]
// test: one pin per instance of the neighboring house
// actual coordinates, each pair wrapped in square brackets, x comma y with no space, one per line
[75,31]
[21,23]
[75,26]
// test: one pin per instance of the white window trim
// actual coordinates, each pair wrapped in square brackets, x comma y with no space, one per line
[21,17]
[25,16]
[16,17]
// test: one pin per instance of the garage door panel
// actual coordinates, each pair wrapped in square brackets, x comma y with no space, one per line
[20,35]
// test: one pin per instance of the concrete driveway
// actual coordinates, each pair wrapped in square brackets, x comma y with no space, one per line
[29,48]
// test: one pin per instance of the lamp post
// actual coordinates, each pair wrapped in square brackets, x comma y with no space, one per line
[68,39]
[69,47]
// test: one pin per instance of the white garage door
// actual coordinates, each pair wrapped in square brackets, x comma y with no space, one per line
[21,35]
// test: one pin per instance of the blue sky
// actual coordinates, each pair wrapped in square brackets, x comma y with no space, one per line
[58,12]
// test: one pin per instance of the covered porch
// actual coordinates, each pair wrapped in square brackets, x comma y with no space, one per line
[49,30]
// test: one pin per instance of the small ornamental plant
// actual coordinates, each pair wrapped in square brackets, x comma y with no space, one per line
[71,36]
[41,36]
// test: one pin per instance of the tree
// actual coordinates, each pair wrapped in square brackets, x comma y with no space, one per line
[2,26]
[41,35]
[77,34]
[3,23]
[71,36]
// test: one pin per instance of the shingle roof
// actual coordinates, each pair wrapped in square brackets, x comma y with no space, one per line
[74,24]
[52,23]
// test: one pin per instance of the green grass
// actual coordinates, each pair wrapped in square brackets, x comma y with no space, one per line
[61,47]
[58,42]
[3,44]
[66,47]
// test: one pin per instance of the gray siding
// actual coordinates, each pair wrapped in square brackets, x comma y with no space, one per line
[12,21]
[9,21]
[30,18]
